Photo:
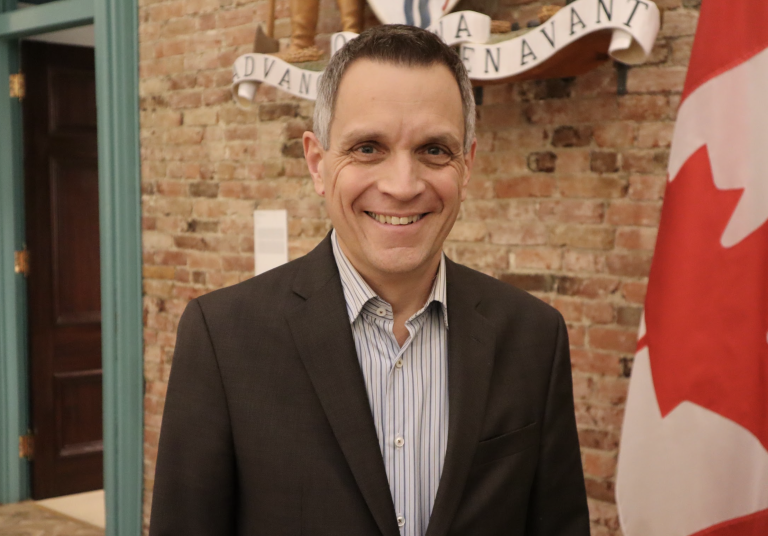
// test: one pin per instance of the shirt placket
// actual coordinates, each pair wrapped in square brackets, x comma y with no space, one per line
[406,453]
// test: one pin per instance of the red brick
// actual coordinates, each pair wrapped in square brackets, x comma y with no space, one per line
[569,112]
[655,79]
[235,17]
[567,136]
[681,51]
[604,162]
[595,362]
[468,231]
[644,108]
[680,22]
[599,312]
[647,187]
[538,258]
[529,186]
[634,264]
[620,134]
[613,339]
[645,161]
[598,439]
[633,213]
[573,161]
[634,291]
[238,263]
[542,162]
[592,187]
[522,137]
[576,335]
[571,309]
[517,232]
[588,287]
[479,256]
[581,236]
[636,238]
[598,463]
[653,135]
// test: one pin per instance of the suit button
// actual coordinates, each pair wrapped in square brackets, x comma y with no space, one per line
[400,521]
[399,441]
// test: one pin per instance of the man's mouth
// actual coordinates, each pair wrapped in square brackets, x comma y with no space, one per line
[395,220]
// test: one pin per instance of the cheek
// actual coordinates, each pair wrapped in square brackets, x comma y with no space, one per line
[449,189]
[350,186]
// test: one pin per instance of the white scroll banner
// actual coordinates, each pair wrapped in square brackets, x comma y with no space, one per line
[249,69]
[463,27]
[634,23]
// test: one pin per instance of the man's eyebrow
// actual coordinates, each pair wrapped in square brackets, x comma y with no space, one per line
[371,134]
[443,139]
[361,134]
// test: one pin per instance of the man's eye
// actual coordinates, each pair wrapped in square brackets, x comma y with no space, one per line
[366,149]
[435,151]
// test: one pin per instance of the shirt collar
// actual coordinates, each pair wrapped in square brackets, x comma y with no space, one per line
[357,292]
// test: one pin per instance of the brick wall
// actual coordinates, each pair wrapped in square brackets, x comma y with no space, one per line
[564,201]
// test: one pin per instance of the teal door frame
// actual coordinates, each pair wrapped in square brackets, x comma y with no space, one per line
[116,33]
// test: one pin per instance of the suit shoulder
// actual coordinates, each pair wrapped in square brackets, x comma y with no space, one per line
[497,296]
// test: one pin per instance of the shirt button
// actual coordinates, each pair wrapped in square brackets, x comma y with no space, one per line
[399,441]
[399,363]
[380,311]
[400,521]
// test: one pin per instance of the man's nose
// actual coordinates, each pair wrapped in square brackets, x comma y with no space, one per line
[401,179]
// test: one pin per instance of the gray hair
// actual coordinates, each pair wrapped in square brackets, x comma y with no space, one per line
[401,45]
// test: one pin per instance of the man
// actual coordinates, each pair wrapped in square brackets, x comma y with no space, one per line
[374,387]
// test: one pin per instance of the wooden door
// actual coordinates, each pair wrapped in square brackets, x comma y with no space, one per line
[62,215]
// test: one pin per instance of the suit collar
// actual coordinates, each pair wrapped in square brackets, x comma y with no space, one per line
[471,352]
[323,336]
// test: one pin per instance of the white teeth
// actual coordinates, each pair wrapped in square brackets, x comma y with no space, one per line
[394,220]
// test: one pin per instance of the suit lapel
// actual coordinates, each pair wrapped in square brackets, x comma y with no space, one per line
[470,362]
[323,336]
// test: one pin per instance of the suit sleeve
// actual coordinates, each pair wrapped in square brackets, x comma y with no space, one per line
[558,504]
[194,492]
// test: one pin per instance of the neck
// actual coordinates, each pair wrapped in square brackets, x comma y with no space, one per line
[405,292]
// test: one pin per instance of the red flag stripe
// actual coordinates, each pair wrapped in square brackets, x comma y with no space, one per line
[718,48]
[752,525]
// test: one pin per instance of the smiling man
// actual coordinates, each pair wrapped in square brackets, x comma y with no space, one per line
[374,387]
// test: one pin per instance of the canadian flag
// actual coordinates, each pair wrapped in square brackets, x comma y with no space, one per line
[694,447]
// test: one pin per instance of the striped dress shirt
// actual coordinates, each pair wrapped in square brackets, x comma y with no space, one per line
[407,388]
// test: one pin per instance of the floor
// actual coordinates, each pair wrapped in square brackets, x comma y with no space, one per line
[73,515]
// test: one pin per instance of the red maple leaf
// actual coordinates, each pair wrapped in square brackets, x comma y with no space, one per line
[707,305]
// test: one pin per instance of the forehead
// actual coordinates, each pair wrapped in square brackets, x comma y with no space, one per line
[401,98]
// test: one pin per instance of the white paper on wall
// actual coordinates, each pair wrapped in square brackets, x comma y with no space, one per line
[270,239]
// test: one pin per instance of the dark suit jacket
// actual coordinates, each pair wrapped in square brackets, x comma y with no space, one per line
[267,428]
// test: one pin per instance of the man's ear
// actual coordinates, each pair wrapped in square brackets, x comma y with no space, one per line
[469,160]
[313,154]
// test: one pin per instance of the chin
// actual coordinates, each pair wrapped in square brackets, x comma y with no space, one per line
[398,262]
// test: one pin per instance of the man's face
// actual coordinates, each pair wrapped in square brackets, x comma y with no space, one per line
[395,172]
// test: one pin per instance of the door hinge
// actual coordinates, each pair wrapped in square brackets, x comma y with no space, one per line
[21,262]
[27,446]
[18,86]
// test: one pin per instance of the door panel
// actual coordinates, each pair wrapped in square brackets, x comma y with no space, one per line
[74,205]
[64,282]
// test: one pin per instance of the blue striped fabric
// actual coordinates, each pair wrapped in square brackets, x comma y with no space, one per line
[407,387]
